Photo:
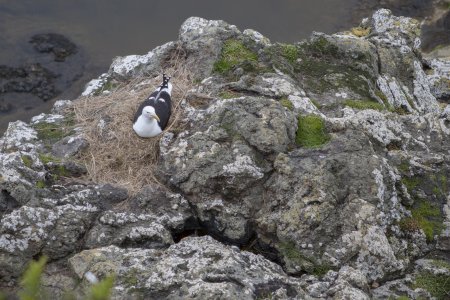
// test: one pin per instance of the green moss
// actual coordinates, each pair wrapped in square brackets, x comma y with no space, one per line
[382,96]
[441,264]
[287,103]
[311,131]
[324,68]
[131,279]
[234,53]
[363,104]
[51,132]
[290,52]
[59,171]
[410,183]
[437,285]
[27,161]
[316,103]
[227,95]
[425,216]
[31,281]
[440,185]
[404,166]
[40,184]
[308,264]
[45,159]
[399,110]
[321,46]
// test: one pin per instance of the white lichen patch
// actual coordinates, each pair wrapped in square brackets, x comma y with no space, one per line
[394,92]
[47,118]
[95,84]
[60,105]
[380,183]
[243,165]
[29,224]
[197,26]
[153,231]
[123,65]
[256,36]
[376,257]
[19,135]
[304,105]
[277,86]
[118,218]
[425,101]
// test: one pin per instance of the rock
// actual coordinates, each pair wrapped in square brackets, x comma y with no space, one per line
[444,238]
[60,106]
[56,227]
[135,65]
[34,79]
[194,268]
[69,146]
[54,43]
[202,40]
[345,219]
[439,78]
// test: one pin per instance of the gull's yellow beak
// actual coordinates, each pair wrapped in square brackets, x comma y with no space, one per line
[156,117]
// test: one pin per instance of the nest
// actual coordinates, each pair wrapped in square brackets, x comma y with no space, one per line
[115,153]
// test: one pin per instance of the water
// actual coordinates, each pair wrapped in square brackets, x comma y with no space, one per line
[104,29]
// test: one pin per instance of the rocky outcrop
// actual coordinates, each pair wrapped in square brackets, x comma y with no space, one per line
[316,170]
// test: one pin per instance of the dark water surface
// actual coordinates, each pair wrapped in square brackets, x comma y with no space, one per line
[103,29]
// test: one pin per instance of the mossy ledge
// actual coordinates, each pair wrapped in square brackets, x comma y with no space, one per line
[425,216]
[311,132]
[234,53]
[364,104]
[308,264]
[437,285]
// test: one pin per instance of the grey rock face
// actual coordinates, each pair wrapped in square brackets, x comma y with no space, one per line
[224,160]
[342,220]
[202,40]
[195,268]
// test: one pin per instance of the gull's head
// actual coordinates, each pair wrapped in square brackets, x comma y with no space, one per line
[149,112]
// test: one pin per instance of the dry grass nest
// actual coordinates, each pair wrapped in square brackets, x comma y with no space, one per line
[116,154]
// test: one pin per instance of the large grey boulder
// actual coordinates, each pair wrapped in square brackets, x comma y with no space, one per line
[195,268]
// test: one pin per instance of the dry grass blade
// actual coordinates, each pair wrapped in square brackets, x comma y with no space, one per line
[116,154]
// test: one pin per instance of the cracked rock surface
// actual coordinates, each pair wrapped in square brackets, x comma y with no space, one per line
[244,210]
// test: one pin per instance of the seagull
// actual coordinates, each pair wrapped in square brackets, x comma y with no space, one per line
[154,112]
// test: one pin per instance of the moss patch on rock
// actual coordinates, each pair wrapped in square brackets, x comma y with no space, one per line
[425,216]
[40,184]
[290,52]
[410,183]
[311,131]
[364,104]
[50,133]
[27,161]
[437,285]
[323,67]
[234,53]
[45,158]
[287,103]
[308,264]
[228,94]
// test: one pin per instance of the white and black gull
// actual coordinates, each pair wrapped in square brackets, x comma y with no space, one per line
[153,114]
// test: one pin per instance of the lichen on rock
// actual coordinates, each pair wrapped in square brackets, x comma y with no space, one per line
[314,170]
